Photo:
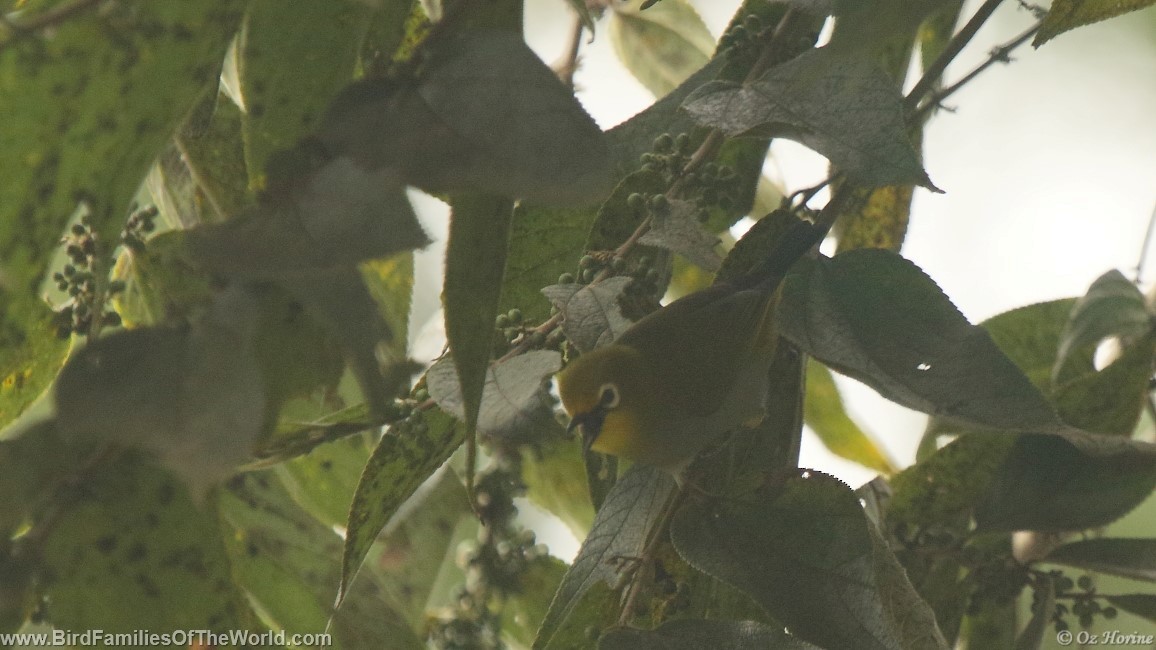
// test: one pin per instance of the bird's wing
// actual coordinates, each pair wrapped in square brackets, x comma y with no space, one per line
[717,328]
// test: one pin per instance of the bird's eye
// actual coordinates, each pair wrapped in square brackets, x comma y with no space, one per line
[608,396]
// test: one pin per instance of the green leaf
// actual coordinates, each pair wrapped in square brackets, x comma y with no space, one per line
[288,563]
[691,634]
[119,88]
[325,480]
[514,403]
[843,107]
[804,550]
[1142,605]
[661,46]
[544,244]
[395,470]
[486,115]
[1110,401]
[1050,483]
[592,313]
[1043,611]
[475,262]
[1066,15]
[620,529]
[828,418]
[414,547]
[31,467]
[555,479]
[874,316]
[192,397]
[133,551]
[524,610]
[677,228]
[1030,337]
[283,102]
[1129,558]
[210,146]
[946,486]
[1113,306]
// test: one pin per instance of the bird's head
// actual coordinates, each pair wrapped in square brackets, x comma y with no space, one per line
[610,399]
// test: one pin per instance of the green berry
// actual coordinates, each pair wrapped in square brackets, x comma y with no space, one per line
[62,285]
[1085,582]
[515,315]
[587,262]
[502,321]
[1110,613]
[618,265]
[664,143]
[659,202]
[1064,584]
[588,275]
[420,395]
[682,142]
[649,167]
[566,278]
[753,23]
[78,230]
[635,201]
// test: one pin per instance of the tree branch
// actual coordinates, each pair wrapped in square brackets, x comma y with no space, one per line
[954,47]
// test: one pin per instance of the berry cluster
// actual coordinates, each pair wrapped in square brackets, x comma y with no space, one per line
[709,185]
[494,566]
[741,37]
[138,227]
[405,416]
[77,279]
[1082,593]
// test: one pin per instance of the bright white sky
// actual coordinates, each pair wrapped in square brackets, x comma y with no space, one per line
[1049,168]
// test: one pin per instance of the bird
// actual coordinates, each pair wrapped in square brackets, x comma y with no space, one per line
[684,376]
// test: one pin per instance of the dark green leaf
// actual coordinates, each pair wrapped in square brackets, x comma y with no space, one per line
[475,262]
[804,550]
[288,562]
[1065,15]
[661,46]
[1052,483]
[397,467]
[195,398]
[1130,558]
[1110,401]
[841,106]
[620,530]
[1043,611]
[486,115]
[1113,306]
[592,315]
[283,102]
[947,485]
[692,634]
[118,82]
[874,316]
[324,481]
[133,551]
[912,619]
[514,402]
[1142,605]
[1030,337]
[31,466]
[211,146]
[678,229]
[827,417]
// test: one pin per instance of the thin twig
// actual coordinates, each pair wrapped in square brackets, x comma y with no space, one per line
[644,560]
[1000,54]
[1144,247]
[954,47]
[49,18]
[566,68]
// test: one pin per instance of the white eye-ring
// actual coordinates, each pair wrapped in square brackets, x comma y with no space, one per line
[608,396]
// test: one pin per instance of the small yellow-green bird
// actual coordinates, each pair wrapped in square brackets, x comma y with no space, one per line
[686,375]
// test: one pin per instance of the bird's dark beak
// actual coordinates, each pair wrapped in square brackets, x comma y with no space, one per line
[590,424]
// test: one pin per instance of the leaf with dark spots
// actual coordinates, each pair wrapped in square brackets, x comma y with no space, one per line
[678,229]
